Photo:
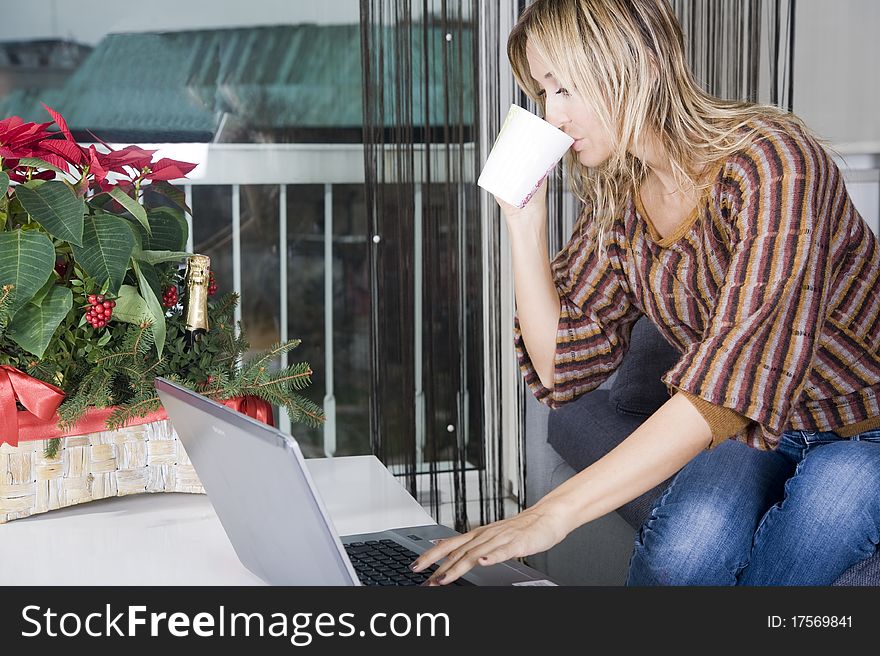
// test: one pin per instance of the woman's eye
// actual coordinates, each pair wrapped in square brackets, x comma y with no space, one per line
[542,93]
[562,92]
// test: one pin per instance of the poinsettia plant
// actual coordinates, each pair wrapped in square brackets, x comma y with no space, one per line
[79,216]
[91,244]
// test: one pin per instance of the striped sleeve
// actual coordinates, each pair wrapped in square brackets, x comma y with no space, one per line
[757,351]
[595,322]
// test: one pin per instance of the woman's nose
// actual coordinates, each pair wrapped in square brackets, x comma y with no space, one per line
[554,115]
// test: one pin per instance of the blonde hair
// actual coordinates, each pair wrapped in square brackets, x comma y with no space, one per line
[626,58]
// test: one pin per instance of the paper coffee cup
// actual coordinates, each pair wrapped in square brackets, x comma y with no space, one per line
[526,150]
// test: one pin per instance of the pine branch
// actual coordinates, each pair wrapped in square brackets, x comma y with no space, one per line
[305,411]
[109,378]
[295,380]
[140,406]
[122,373]
[71,410]
[256,367]
[42,370]
[51,450]
[138,341]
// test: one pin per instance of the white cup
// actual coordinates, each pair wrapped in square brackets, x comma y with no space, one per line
[525,151]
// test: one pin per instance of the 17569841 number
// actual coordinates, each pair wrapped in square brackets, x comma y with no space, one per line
[810,622]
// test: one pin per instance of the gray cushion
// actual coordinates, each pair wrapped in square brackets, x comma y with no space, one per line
[586,429]
[638,389]
[866,572]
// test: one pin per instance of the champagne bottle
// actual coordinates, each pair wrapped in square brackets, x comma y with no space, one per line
[197,276]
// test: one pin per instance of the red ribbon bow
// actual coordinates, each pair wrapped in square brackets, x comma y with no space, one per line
[38,398]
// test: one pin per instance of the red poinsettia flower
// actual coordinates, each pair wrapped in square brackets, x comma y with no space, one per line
[19,140]
[168,169]
[68,150]
[93,166]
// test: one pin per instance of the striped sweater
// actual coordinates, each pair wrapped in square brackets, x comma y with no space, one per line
[770,290]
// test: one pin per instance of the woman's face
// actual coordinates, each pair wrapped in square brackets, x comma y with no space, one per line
[568,112]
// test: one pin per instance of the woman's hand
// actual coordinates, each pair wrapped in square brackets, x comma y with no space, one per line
[536,207]
[532,531]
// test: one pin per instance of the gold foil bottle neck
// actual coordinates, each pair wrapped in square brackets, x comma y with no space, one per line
[198,269]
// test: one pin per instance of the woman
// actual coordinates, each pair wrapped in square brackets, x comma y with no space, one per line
[729,226]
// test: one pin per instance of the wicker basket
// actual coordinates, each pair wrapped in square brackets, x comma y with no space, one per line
[144,458]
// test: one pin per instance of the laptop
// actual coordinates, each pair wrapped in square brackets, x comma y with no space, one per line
[258,482]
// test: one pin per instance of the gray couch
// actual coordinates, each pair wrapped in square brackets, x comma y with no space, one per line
[563,441]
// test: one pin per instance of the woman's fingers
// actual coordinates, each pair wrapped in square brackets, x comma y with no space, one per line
[491,541]
[529,532]
[441,550]
[478,538]
[537,202]
[493,550]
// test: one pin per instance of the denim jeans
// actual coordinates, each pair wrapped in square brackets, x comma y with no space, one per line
[734,515]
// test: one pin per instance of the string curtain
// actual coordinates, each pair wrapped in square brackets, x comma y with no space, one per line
[436,85]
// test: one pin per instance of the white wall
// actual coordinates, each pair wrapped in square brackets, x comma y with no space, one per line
[837,81]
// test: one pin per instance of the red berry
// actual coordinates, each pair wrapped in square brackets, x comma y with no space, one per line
[169,298]
[112,304]
[99,298]
[93,299]
[106,305]
[101,324]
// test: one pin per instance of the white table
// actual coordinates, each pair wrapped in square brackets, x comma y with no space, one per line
[168,539]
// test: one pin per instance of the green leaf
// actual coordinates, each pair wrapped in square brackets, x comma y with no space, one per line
[169,230]
[37,163]
[40,295]
[27,259]
[55,207]
[152,277]
[154,307]
[134,207]
[131,306]
[34,325]
[104,339]
[172,193]
[156,257]
[109,244]
[4,183]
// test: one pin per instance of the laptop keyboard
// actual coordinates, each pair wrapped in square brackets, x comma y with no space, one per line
[385,562]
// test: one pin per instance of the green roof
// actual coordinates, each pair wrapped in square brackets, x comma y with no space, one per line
[286,76]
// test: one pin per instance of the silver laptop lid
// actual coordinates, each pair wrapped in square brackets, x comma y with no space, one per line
[258,482]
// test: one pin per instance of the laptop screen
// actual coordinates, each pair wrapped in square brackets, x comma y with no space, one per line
[261,490]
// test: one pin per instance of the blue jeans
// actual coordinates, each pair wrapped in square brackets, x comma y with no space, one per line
[734,515]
